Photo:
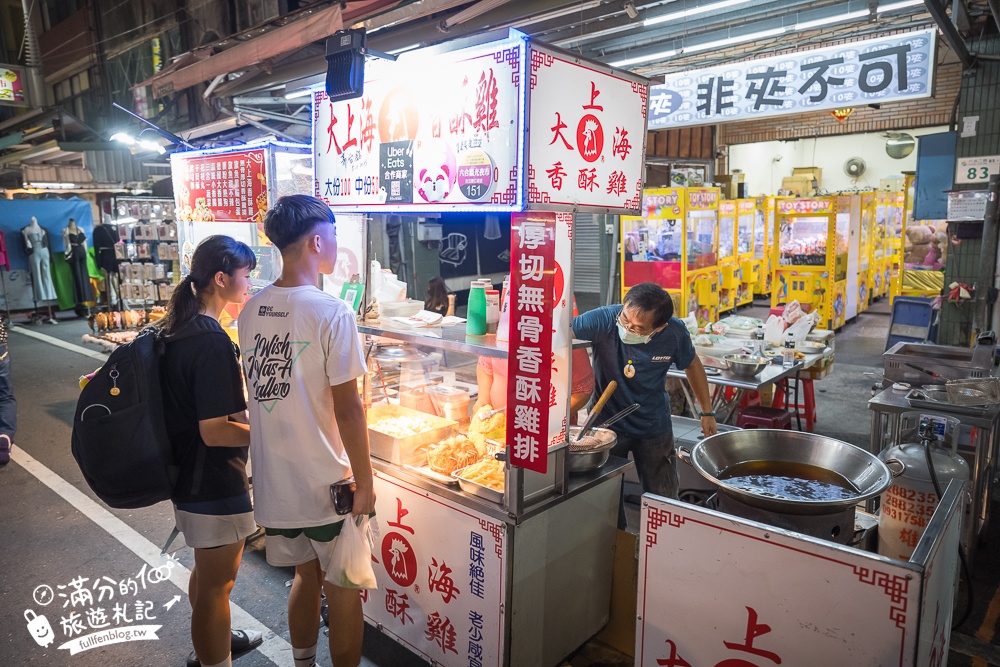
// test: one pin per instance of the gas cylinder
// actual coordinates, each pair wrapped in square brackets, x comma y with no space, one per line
[907,505]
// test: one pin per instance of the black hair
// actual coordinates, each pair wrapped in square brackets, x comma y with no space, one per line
[293,217]
[437,294]
[213,254]
[650,297]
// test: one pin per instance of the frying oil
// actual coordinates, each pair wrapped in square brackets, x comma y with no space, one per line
[788,480]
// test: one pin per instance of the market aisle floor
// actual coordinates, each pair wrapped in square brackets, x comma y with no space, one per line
[56,540]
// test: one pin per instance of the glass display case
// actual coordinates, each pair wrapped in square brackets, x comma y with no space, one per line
[749,266]
[653,245]
[729,270]
[702,229]
[923,250]
[804,242]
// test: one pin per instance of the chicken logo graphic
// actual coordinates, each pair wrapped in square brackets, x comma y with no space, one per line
[398,559]
[590,138]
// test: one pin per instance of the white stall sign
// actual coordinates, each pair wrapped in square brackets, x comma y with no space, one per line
[976,169]
[874,71]
[588,136]
[441,576]
[432,132]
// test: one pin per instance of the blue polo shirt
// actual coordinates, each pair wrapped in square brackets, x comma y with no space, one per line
[651,361]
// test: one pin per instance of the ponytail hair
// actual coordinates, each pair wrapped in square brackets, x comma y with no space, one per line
[213,254]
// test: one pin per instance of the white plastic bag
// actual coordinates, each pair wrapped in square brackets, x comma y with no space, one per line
[351,562]
[802,326]
[774,330]
[793,311]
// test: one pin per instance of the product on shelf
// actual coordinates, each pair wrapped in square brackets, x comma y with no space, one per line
[401,427]
[488,472]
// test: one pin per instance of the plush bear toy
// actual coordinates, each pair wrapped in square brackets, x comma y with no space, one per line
[918,244]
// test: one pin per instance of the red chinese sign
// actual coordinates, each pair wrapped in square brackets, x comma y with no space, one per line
[529,387]
[223,187]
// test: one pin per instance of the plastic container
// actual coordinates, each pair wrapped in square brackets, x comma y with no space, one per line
[788,353]
[475,324]
[492,310]
[503,326]
[449,402]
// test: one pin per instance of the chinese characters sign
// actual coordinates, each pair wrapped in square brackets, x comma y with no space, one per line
[226,187]
[441,575]
[529,366]
[886,69]
[588,136]
[12,85]
[431,132]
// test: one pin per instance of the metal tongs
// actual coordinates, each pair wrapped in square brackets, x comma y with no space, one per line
[621,414]
[596,410]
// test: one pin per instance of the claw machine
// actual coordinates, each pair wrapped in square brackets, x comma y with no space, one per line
[729,270]
[663,247]
[701,253]
[746,225]
[865,273]
[894,243]
[923,252]
[487,533]
[811,247]
[763,242]
[877,284]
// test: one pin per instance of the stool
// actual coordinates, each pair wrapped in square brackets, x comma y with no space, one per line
[761,417]
[807,408]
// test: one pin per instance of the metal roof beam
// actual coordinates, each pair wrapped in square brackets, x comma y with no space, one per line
[950,32]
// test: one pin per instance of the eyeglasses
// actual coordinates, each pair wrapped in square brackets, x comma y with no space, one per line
[631,329]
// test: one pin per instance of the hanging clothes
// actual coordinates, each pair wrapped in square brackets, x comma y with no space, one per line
[36,244]
[4,256]
[76,256]
[105,238]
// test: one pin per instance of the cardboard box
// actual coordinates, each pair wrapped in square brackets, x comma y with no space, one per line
[729,184]
[810,173]
[800,186]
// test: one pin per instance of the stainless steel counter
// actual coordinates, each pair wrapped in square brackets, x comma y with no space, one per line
[450,338]
[575,485]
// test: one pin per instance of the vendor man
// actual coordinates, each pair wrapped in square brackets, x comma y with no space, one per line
[635,344]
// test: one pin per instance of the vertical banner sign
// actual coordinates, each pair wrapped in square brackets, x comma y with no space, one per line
[223,187]
[529,365]
[587,142]
[562,331]
[890,68]
[441,577]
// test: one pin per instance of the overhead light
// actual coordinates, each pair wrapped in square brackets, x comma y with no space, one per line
[50,186]
[900,5]
[148,145]
[570,41]
[694,11]
[662,55]
[144,144]
[829,20]
[471,12]
[738,39]
[295,94]
[124,138]
[559,13]
[630,9]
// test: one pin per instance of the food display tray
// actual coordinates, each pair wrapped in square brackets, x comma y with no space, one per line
[425,471]
[405,450]
[916,399]
[476,489]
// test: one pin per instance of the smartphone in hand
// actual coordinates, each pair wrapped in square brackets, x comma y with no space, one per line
[342,495]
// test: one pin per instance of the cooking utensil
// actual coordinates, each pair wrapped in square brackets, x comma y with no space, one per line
[746,365]
[924,370]
[592,455]
[621,414]
[486,415]
[717,454]
[601,402]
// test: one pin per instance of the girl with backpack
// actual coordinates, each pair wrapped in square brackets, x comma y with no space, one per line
[204,409]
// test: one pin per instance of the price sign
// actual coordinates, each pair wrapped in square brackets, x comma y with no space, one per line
[977,169]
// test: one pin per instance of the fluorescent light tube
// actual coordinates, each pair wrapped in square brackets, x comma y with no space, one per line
[738,39]
[662,55]
[829,20]
[694,11]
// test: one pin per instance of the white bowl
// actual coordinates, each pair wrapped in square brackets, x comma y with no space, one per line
[809,347]
[407,308]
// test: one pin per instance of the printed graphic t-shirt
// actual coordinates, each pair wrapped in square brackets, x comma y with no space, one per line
[296,343]
[649,365]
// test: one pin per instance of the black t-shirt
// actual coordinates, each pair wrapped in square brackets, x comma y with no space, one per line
[202,380]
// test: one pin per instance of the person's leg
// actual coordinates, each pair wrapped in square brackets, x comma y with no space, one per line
[8,406]
[656,463]
[304,603]
[622,448]
[347,625]
[212,579]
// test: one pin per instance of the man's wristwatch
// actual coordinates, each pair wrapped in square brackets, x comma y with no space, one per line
[706,414]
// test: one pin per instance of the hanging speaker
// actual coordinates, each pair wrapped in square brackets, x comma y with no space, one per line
[345,64]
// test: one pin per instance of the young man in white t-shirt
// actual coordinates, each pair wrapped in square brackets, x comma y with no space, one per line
[302,357]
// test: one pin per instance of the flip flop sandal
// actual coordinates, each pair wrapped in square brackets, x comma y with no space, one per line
[242,641]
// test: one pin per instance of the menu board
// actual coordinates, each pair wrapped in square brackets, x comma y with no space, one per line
[221,187]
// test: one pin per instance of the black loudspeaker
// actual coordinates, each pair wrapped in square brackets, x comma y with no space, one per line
[345,64]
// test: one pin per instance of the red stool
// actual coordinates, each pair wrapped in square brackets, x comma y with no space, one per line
[807,408]
[748,400]
[761,417]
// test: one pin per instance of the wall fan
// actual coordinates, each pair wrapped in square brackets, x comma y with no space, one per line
[855,167]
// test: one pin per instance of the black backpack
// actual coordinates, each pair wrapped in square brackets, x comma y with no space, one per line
[120,438]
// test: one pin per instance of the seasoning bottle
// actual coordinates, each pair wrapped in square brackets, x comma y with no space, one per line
[788,354]
[492,310]
[475,325]
[759,340]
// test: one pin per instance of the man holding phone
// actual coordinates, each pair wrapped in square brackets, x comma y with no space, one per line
[302,357]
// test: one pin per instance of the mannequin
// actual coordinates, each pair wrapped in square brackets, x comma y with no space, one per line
[36,245]
[105,238]
[75,245]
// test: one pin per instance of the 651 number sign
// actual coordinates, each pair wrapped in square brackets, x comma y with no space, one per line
[977,169]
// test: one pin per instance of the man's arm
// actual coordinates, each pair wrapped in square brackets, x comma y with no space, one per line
[351,420]
[696,377]
[220,432]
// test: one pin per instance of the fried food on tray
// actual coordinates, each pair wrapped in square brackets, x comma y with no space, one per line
[479,425]
[488,472]
[401,427]
[453,453]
